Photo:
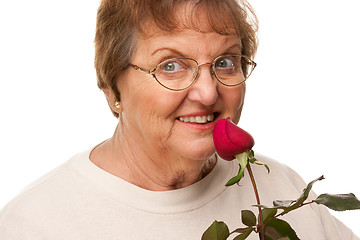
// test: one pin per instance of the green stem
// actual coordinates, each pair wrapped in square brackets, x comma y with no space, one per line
[261,223]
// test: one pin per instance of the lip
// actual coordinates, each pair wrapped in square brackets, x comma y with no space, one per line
[197,126]
[197,114]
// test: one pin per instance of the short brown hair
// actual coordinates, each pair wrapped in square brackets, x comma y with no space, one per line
[119,22]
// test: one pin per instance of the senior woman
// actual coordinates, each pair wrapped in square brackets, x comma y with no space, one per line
[170,70]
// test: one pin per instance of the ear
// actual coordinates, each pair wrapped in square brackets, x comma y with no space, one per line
[113,103]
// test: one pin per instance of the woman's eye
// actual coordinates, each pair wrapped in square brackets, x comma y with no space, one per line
[171,67]
[225,62]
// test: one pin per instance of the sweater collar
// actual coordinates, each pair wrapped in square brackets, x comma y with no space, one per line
[162,202]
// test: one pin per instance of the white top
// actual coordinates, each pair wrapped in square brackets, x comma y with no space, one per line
[78,200]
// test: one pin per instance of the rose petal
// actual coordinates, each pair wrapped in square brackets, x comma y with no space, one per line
[239,137]
[230,140]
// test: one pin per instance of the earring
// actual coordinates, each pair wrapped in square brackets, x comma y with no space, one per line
[117,105]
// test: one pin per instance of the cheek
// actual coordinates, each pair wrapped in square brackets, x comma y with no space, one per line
[153,109]
[234,101]
[241,98]
[160,105]
[157,117]
[146,102]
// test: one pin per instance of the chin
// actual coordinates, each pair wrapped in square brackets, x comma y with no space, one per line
[200,148]
[199,154]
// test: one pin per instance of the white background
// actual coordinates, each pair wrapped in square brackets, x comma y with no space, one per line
[302,104]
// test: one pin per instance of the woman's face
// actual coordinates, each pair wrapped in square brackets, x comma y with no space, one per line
[155,118]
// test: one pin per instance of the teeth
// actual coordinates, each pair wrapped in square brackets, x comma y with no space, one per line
[198,119]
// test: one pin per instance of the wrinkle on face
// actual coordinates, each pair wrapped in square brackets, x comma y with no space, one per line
[158,150]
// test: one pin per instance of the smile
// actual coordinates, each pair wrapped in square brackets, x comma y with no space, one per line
[198,119]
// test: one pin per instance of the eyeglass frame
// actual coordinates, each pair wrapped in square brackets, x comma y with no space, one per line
[212,71]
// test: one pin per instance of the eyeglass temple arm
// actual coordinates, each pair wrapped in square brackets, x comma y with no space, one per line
[140,68]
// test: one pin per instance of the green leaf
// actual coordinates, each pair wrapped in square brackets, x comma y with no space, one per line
[248,218]
[283,203]
[302,197]
[235,179]
[217,231]
[266,207]
[267,168]
[289,205]
[339,202]
[262,164]
[252,160]
[241,230]
[272,234]
[243,161]
[277,229]
[244,235]
[307,190]
[251,154]
[268,213]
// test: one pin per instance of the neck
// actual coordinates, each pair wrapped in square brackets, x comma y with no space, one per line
[125,159]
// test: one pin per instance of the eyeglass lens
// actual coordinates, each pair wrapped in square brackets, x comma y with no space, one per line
[179,73]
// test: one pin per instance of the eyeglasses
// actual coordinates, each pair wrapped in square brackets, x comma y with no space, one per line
[180,73]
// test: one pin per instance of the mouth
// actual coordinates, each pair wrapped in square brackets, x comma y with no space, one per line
[199,119]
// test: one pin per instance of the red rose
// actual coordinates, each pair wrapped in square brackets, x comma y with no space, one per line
[230,140]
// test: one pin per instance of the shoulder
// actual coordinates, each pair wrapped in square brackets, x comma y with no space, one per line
[50,189]
[282,171]
[282,182]
[285,183]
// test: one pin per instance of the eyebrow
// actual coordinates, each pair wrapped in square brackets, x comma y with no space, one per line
[167,49]
[236,45]
[176,52]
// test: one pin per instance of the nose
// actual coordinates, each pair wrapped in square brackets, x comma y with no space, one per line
[205,88]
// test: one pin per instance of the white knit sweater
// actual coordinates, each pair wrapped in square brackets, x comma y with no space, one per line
[80,201]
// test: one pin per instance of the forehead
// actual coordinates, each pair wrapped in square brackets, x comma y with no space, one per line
[193,15]
[193,32]
[188,43]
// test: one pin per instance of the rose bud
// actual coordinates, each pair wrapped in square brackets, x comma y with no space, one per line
[230,140]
